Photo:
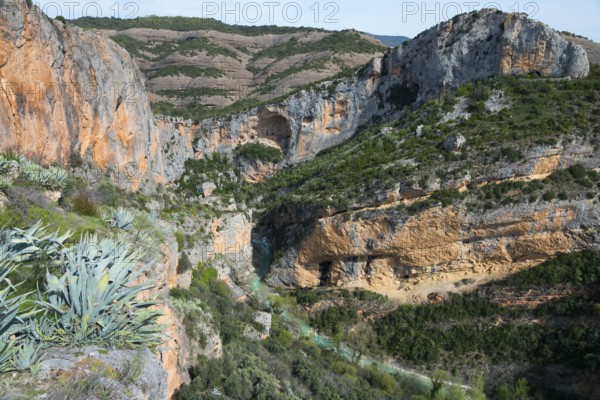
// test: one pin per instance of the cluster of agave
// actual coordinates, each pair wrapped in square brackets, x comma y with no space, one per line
[53,178]
[5,166]
[9,310]
[120,218]
[93,301]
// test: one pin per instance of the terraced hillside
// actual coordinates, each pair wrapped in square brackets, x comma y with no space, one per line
[193,65]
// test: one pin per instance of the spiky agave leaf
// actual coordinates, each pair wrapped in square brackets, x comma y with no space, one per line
[9,306]
[53,177]
[120,218]
[27,355]
[24,245]
[95,300]
[10,321]
[7,354]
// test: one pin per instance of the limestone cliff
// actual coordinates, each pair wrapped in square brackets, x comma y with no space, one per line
[71,96]
[467,48]
[376,245]
[381,249]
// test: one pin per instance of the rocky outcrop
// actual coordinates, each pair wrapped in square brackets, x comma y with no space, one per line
[75,97]
[469,47]
[382,249]
[379,246]
[591,48]
[93,372]
[479,45]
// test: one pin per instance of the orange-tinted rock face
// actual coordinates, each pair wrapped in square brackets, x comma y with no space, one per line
[382,250]
[65,92]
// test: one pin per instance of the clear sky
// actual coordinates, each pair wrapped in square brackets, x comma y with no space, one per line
[385,17]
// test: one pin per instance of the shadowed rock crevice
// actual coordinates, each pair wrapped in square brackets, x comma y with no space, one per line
[274,126]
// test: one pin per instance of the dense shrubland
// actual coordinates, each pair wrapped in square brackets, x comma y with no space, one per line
[541,112]
[467,331]
[285,366]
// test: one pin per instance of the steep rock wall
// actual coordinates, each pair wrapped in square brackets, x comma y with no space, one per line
[69,94]
[377,246]
[383,250]
[470,47]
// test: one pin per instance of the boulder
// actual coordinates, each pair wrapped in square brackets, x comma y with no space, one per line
[454,143]
[207,189]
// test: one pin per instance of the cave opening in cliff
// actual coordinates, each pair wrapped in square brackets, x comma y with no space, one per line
[275,127]
[325,273]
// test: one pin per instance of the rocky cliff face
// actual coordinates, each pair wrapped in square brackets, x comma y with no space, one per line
[91,371]
[383,250]
[379,247]
[479,45]
[468,48]
[69,95]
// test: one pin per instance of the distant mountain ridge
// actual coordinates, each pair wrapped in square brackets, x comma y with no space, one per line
[196,66]
[391,41]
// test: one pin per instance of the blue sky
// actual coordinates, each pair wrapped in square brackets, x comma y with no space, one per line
[386,17]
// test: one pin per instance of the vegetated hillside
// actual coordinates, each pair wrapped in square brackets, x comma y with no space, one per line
[193,65]
[391,41]
[592,48]
[501,119]
[542,324]
[472,171]
[326,114]
[528,166]
[72,326]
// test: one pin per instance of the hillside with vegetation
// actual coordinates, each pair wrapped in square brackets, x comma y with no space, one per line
[410,151]
[391,41]
[194,65]
[534,333]
[405,230]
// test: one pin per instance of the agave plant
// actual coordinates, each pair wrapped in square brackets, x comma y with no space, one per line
[7,354]
[54,178]
[9,306]
[26,356]
[23,245]
[5,164]
[95,300]
[9,317]
[120,218]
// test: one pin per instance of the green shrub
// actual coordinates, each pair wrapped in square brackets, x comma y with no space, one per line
[511,155]
[549,196]
[481,93]
[83,204]
[61,19]
[578,172]
[259,152]
[184,264]
[447,196]
[180,238]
